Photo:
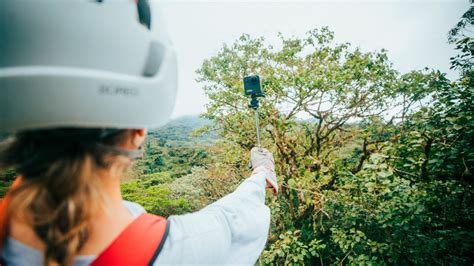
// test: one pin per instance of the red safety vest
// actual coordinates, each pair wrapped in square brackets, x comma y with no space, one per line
[138,244]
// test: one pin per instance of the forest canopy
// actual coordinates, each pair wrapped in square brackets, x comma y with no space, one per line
[375,165]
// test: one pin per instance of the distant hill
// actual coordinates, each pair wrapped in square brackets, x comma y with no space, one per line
[190,121]
[180,129]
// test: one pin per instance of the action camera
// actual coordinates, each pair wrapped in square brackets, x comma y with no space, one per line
[252,86]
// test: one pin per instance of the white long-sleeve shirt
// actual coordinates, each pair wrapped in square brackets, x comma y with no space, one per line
[232,230]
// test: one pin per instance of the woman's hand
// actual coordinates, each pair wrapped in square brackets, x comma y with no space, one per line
[262,160]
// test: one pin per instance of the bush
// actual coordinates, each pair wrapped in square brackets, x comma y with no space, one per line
[154,198]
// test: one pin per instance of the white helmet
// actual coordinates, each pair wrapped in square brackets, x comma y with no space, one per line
[83,63]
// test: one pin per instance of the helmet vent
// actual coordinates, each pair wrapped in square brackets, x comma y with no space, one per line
[154,60]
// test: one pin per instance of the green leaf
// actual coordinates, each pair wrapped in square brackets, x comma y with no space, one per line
[292,183]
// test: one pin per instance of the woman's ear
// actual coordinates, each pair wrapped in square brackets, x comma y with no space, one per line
[141,132]
[139,136]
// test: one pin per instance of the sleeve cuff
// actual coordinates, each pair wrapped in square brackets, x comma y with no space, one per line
[259,177]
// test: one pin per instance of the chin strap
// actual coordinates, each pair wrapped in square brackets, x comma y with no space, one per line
[132,154]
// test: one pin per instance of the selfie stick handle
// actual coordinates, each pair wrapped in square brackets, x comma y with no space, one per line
[258,128]
[254,104]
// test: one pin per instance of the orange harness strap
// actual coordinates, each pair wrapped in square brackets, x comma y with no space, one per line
[139,244]
[4,209]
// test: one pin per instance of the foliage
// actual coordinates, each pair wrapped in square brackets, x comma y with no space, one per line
[171,178]
[461,36]
[391,220]
[375,166]
[174,149]
[290,250]
[6,179]
[154,198]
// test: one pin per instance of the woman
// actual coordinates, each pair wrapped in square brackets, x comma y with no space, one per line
[78,97]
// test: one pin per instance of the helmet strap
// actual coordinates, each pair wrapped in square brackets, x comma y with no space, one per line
[132,154]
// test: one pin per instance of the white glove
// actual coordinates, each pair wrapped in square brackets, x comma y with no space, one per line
[262,160]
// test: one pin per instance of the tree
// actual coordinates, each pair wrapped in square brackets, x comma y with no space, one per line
[310,77]
[375,165]
[461,36]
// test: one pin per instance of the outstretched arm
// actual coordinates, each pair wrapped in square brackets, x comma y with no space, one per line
[232,230]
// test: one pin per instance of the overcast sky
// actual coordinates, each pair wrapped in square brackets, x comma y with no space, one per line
[413,32]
